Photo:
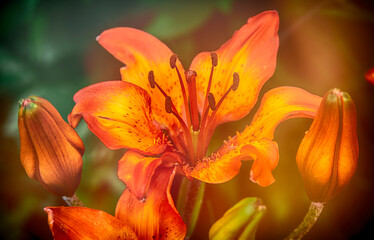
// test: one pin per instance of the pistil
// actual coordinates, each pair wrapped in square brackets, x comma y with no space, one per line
[173,65]
[191,81]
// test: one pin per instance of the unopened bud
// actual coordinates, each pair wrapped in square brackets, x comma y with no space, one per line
[240,221]
[327,156]
[51,150]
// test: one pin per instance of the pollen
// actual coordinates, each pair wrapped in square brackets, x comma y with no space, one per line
[214,57]
[151,79]
[235,82]
[168,105]
[173,61]
[212,101]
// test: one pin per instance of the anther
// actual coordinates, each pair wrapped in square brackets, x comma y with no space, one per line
[151,79]
[168,105]
[173,61]
[235,82]
[214,57]
[212,101]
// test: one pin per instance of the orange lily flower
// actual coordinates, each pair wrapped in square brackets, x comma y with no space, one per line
[157,111]
[51,150]
[327,156]
[155,218]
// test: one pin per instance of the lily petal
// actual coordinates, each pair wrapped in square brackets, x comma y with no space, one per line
[278,105]
[219,167]
[265,155]
[142,52]
[119,114]
[154,217]
[84,223]
[255,142]
[136,171]
[251,52]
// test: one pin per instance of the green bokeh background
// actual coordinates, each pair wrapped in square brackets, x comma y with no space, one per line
[48,48]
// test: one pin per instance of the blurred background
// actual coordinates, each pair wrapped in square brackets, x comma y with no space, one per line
[48,48]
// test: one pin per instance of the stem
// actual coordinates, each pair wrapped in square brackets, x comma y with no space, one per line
[182,196]
[73,201]
[309,220]
[190,198]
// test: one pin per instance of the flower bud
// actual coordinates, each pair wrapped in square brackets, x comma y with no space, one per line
[51,150]
[240,221]
[327,156]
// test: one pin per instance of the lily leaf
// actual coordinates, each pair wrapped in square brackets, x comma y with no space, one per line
[240,221]
[170,22]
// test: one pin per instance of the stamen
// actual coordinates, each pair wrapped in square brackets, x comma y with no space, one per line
[205,127]
[213,107]
[153,83]
[173,64]
[191,81]
[170,108]
[212,101]
[214,58]
[234,86]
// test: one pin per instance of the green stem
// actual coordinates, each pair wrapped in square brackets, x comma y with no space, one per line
[310,219]
[73,201]
[190,198]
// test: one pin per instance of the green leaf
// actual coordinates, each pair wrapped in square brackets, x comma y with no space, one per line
[240,221]
[225,5]
[175,20]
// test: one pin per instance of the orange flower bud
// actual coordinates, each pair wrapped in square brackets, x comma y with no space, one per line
[327,156]
[51,150]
